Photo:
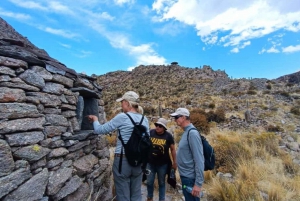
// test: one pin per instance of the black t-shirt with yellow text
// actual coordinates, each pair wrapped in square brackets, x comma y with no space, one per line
[161,145]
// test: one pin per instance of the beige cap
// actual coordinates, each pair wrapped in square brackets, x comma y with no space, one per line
[129,96]
[181,111]
[162,122]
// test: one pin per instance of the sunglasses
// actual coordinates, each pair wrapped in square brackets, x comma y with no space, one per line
[158,125]
[177,117]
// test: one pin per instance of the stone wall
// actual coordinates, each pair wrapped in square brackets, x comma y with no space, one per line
[48,150]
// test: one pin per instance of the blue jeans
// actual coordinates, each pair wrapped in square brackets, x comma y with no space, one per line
[161,171]
[188,182]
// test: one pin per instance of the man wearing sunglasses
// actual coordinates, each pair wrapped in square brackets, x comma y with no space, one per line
[190,157]
[159,160]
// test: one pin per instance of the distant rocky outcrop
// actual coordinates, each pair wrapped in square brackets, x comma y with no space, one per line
[293,78]
[48,150]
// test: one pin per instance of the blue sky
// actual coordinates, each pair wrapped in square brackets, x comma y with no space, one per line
[253,38]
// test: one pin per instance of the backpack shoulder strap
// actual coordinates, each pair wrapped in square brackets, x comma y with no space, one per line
[188,136]
[132,119]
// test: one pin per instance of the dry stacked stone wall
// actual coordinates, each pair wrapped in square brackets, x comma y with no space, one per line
[48,150]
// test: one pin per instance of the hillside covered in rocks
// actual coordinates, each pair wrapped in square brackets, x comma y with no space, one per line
[248,104]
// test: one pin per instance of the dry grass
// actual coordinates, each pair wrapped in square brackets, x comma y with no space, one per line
[258,167]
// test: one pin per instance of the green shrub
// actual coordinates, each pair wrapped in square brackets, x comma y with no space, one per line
[269,86]
[212,105]
[199,120]
[251,92]
[271,128]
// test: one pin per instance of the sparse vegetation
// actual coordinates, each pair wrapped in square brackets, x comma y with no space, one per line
[248,150]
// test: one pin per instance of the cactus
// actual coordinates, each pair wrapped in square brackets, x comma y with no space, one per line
[247,116]
[159,110]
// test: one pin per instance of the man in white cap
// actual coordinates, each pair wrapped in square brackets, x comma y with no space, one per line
[159,159]
[127,179]
[190,159]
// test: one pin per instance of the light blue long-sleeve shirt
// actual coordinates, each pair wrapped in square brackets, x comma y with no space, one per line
[124,125]
[190,159]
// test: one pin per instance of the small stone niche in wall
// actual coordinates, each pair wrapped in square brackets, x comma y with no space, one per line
[87,104]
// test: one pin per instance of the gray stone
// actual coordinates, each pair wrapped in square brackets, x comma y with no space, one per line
[85,164]
[50,110]
[80,135]
[82,193]
[71,186]
[104,164]
[11,62]
[13,180]
[8,95]
[26,138]
[67,163]
[31,153]
[32,78]
[7,71]
[56,144]
[42,72]
[63,98]
[22,125]
[38,164]
[19,71]
[56,120]
[57,179]
[75,155]
[58,152]
[102,143]
[104,153]
[53,88]
[32,100]
[81,82]
[54,162]
[79,145]
[52,131]
[72,99]
[63,80]
[69,113]
[4,78]
[6,159]
[68,107]
[74,124]
[87,93]
[48,100]
[20,53]
[18,83]
[18,110]
[33,189]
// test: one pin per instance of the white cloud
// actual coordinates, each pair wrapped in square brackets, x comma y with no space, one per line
[65,45]
[143,54]
[235,50]
[270,50]
[60,32]
[231,22]
[273,50]
[29,4]
[48,6]
[18,16]
[84,54]
[291,49]
[121,2]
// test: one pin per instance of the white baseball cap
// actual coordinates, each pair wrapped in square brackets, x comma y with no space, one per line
[129,96]
[181,111]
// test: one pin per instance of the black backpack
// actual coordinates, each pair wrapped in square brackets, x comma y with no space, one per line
[138,147]
[208,152]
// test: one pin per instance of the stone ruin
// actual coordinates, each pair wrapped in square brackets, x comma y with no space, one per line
[48,150]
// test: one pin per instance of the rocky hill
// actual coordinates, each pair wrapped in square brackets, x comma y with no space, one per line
[172,86]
